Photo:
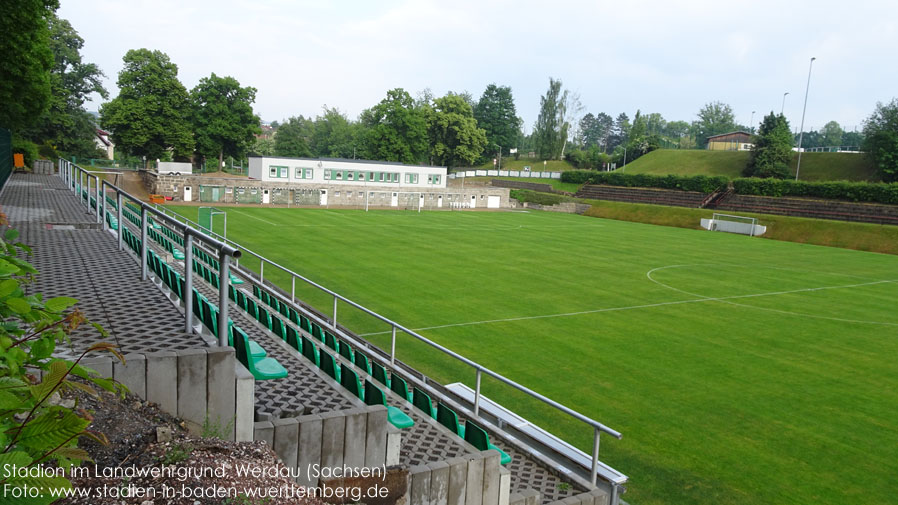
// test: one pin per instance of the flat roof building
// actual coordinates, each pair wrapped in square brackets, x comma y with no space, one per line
[337,172]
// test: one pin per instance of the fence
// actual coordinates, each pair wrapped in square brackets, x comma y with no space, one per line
[5,155]
[506,173]
[479,370]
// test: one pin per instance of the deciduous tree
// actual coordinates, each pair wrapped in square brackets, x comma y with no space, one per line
[453,132]
[151,114]
[223,119]
[713,119]
[25,61]
[881,139]
[395,129]
[292,138]
[548,130]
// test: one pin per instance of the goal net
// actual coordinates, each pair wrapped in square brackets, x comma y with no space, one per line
[734,224]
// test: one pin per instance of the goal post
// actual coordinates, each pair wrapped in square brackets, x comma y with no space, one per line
[206,216]
[734,224]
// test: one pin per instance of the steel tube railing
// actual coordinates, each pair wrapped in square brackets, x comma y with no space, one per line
[188,283]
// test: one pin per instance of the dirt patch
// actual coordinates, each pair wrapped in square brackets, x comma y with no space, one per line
[137,469]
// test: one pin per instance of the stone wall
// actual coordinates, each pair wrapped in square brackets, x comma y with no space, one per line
[565,207]
[233,189]
[475,479]
[201,386]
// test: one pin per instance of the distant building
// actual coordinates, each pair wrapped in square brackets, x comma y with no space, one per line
[733,141]
[103,142]
[339,172]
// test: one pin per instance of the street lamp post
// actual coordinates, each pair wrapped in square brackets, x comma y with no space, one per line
[751,124]
[784,103]
[801,131]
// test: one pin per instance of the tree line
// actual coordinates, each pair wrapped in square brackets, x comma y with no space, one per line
[45,85]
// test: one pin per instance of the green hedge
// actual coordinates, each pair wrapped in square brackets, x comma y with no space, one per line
[838,190]
[700,183]
[525,195]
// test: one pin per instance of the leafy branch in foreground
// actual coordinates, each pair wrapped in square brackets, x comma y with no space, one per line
[36,428]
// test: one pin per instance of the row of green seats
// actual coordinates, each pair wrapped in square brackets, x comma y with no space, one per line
[165,243]
[254,356]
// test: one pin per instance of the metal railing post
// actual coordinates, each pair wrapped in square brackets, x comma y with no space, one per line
[261,271]
[595,457]
[118,218]
[334,325]
[88,195]
[144,247]
[99,183]
[101,206]
[223,283]
[293,288]
[393,348]
[80,185]
[188,282]
[477,395]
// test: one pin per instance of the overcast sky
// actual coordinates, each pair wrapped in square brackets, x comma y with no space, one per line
[620,56]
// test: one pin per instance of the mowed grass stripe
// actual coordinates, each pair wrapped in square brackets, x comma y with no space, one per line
[718,402]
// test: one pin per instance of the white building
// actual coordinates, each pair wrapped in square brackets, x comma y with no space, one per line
[339,172]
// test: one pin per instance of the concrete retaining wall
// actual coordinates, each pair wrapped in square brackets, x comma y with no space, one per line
[565,207]
[356,438]
[204,386]
[594,497]
[475,479]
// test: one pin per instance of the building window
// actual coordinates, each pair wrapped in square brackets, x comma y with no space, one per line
[411,178]
[339,175]
[304,173]
[277,172]
[350,176]
[395,176]
[336,193]
[328,174]
[380,177]
[433,179]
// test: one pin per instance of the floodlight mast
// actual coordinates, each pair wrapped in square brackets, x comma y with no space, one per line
[801,131]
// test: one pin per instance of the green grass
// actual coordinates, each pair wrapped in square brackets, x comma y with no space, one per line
[814,166]
[781,391]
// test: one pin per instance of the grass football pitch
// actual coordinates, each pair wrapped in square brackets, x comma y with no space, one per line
[740,370]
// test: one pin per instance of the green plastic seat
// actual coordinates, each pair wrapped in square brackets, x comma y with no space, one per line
[262,369]
[317,333]
[361,361]
[330,340]
[277,327]
[350,380]
[293,338]
[398,386]
[375,396]
[310,351]
[422,400]
[448,418]
[476,436]
[255,350]
[328,365]
[380,374]
[264,317]
[346,351]
[305,324]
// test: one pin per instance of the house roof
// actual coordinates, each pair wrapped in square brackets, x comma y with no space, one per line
[103,136]
[730,133]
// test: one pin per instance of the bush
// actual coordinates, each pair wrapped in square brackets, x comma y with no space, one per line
[700,183]
[27,148]
[48,151]
[838,190]
[525,195]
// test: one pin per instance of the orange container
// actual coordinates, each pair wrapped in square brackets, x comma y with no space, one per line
[157,199]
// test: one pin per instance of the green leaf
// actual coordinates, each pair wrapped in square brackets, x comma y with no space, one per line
[11,234]
[9,401]
[51,380]
[51,429]
[60,303]
[18,305]
[7,287]
[7,268]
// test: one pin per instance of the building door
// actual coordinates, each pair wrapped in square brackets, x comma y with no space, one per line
[266,196]
[421,201]
[394,200]
[216,193]
[188,194]
[323,198]
[492,202]
[473,201]
[439,201]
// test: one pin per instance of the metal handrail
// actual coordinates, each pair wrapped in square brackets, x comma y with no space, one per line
[69,171]
[479,369]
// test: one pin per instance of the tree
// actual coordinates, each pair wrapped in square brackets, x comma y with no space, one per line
[223,119]
[292,138]
[619,131]
[395,129]
[25,61]
[832,134]
[549,130]
[772,151]
[151,114]
[496,115]
[453,133]
[713,119]
[65,124]
[676,129]
[881,139]
[333,135]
